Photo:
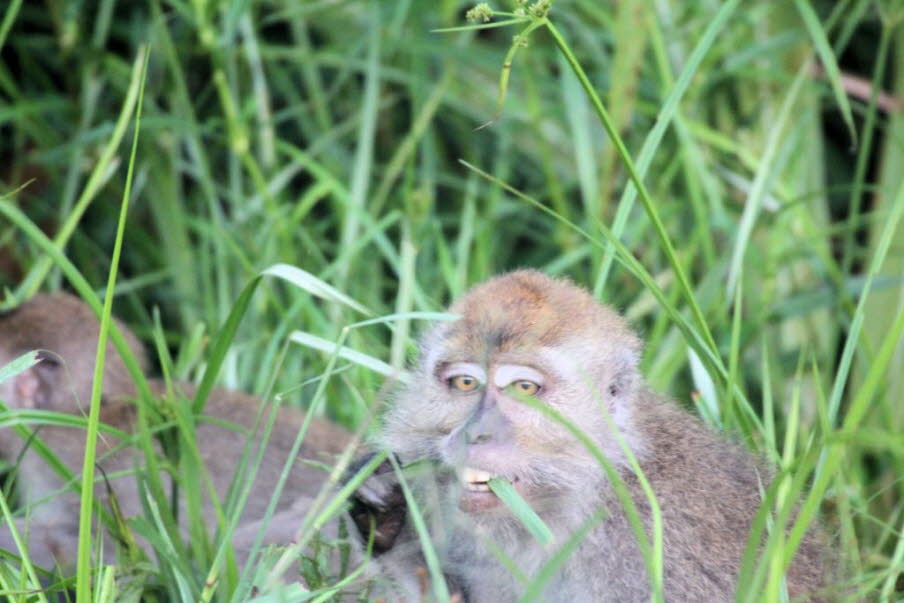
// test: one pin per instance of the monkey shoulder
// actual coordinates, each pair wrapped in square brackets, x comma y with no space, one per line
[706,483]
[677,443]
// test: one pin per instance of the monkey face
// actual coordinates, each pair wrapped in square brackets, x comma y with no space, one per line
[497,390]
[503,432]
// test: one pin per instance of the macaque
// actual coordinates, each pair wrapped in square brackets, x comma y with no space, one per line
[66,332]
[525,337]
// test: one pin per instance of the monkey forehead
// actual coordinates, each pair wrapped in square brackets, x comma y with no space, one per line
[526,309]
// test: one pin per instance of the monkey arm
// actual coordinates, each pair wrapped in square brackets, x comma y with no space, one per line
[379,511]
[378,506]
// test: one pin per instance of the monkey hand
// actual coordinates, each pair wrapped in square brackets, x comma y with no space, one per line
[378,505]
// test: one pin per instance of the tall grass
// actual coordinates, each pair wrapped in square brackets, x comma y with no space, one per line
[709,168]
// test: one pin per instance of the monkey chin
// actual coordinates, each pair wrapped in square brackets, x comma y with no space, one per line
[478,502]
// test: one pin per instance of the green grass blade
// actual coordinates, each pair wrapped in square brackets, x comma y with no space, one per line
[535,589]
[889,587]
[22,547]
[83,568]
[665,117]
[519,507]
[827,57]
[19,365]
[437,580]
[221,343]
[363,164]
[646,200]
[99,175]
[9,17]
[763,179]
[478,26]
[346,353]
[318,288]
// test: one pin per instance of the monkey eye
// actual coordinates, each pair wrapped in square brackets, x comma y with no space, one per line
[463,383]
[525,387]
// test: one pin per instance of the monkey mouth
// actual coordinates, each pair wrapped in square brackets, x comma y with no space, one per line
[476,480]
[476,494]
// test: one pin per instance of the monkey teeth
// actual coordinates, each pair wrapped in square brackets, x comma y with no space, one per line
[475,480]
[477,487]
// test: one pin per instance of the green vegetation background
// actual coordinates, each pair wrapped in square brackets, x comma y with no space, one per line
[762,260]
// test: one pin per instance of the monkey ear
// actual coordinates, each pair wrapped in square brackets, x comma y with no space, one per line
[625,376]
[34,387]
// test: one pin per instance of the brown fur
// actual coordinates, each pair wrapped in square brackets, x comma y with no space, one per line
[65,326]
[521,310]
[707,488]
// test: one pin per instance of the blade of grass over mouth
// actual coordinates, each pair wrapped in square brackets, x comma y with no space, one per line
[521,509]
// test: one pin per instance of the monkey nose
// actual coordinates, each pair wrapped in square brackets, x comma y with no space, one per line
[474,437]
[489,426]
